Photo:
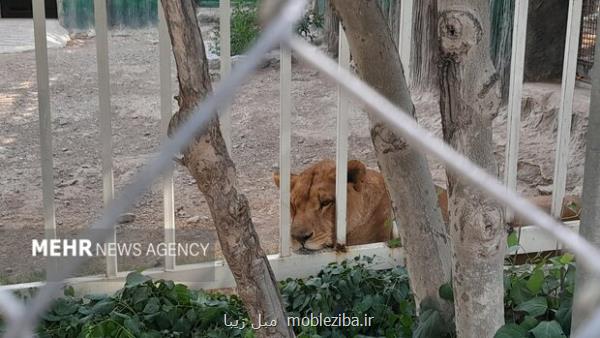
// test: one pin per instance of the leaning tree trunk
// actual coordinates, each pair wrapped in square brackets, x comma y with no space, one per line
[209,163]
[424,48]
[469,97]
[590,215]
[332,29]
[392,15]
[422,230]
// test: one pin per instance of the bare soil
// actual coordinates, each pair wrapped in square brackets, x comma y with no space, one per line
[136,137]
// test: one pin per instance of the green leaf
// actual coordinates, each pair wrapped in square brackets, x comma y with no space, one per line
[535,281]
[133,324]
[63,307]
[529,323]
[519,292]
[511,331]
[567,258]
[103,307]
[548,329]
[152,306]
[512,239]
[135,278]
[430,325]
[446,292]
[563,315]
[534,307]
[69,291]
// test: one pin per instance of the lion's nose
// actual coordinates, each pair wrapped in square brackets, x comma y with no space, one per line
[302,236]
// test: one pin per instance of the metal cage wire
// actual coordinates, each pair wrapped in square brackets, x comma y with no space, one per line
[21,319]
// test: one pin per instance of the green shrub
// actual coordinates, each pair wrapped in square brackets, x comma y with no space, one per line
[245,27]
[538,300]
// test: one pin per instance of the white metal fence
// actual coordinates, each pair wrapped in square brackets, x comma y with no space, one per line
[21,321]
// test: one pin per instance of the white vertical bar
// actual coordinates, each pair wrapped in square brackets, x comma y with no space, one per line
[43,89]
[225,56]
[285,97]
[164,53]
[101,21]
[515,95]
[341,151]
[566,106]
[405,36]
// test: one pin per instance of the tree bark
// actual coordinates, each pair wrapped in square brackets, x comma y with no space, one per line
[393,19]
[590,213]
[424,49]
[406,172]
[469,97]
[209,163]
[332,30]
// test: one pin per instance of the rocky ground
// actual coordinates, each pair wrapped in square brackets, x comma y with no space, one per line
[136,137]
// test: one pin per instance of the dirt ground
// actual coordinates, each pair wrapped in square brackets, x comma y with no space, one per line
[136,137]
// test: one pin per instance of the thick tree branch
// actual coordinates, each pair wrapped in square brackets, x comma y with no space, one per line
[209,163]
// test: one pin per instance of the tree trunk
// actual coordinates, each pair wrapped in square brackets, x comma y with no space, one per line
[590,214]
[393,19]
[406,173]
[469,97]
[209,163]
[332,30]
[424,49]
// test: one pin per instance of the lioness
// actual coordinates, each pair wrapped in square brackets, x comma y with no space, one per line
[313,206]
[368,213]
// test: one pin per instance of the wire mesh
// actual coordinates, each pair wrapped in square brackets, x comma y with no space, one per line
[587,41]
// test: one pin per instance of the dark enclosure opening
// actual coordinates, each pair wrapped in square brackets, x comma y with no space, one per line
[23,9]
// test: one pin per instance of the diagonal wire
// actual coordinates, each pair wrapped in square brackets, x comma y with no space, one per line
[456,162]
[278,31]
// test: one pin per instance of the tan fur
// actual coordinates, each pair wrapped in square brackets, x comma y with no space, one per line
[369,214]
[313,206]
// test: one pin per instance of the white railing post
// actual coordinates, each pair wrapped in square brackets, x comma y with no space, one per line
[515,95]
[225,63]
[566,106]
[285,101]
[105,114]
[164,52]
[45,116]
[405,36]
[341,153]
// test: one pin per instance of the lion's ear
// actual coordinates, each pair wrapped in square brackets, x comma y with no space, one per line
[276,178]
[356,173]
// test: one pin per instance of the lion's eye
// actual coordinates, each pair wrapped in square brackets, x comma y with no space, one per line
[326,203]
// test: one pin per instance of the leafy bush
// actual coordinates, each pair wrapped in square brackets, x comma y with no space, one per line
[353,289]
[538,298]
[245,27]
[143,308]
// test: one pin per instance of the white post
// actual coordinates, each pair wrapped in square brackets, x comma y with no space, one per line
[405,36]
[285,101]
[105,114]
[43,88]
[164,52]
[341,153]
[515,95]
[225,57]
[566,106]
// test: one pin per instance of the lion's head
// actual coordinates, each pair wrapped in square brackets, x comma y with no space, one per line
[313,206]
